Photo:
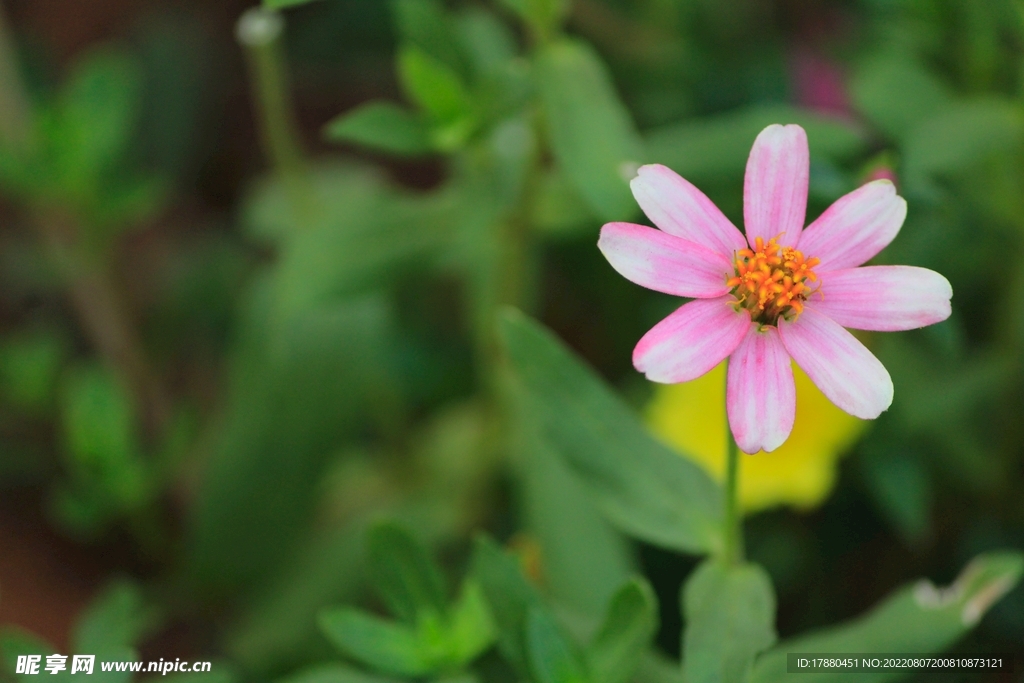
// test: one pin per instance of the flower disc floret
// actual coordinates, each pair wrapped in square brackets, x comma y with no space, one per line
[771,281]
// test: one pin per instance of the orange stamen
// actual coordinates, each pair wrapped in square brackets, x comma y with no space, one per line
[771,281]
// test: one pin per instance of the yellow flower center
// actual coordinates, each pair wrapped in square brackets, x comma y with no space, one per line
[772,281]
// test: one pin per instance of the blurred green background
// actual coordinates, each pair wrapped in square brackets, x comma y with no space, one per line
[235,328]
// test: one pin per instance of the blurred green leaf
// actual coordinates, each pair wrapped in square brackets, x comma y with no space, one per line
[425,25]
[405,576]
[584,559]
[29,366]
[542,16]
[895,92]
[15,641]
[716,148]
[960,134]
[100,105]
[280,622]
[381,126]
[384,645]
[107,474]
[623,638]
[366,234]
[653,494]
[488,43]
[730,618]
[509,595]
[553,659]
[99,420]
[298,388]
[918,618]
[472,626]
[432,85]
[592,134]
[119,617]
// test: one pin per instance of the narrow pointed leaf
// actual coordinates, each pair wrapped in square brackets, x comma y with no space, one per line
[509,595]
[622,641]
[386,646]
[381,126]
[552,656]
[918,618]
[592,135]
[644,488]
[406,577]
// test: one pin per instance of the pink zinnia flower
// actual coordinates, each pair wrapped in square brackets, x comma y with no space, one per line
[782,292]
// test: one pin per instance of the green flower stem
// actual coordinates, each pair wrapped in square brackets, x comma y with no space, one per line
[733,531]
[259,32]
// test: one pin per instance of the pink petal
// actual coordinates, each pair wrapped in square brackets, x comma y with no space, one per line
[775,187]
[883,298]
[760,393]
[692,340]
[662,262]
[680,209]
[856,227]
[841,366]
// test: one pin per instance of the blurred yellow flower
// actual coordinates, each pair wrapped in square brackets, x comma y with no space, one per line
[691,418]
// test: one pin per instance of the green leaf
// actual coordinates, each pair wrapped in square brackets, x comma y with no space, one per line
[552,657]
[433,85]
[646,489]
[384,645]
[405,576]
[918,618]
[895,91]
[107,475]
[327,569]
[472,626]
[730,618]
[509,595]
[334,673]
[592,134]
[29,365]
[488,42]
[300,385]
[542,16]
[622,641]
[15,642]
[585,559]
[365,234]
[425,25]
[118,618]
[99,107]
[381,126]
[716,149]
[959,135]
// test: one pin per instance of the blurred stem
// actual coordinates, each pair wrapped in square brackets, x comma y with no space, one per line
[259,32]
[14,119]
[733,531]
[104,317]
[92,291]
